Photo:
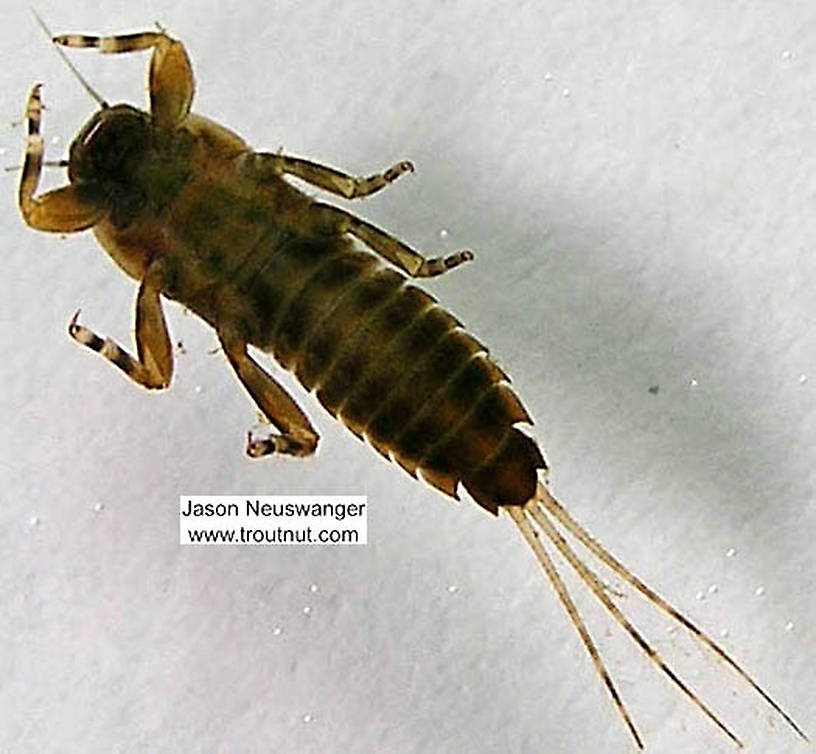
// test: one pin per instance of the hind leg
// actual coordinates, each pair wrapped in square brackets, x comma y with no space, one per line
[297,436]
[395,251]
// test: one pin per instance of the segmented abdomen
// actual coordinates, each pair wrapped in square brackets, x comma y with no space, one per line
[394,366]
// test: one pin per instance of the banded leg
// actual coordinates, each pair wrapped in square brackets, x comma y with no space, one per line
[153,367]
[327,178]
[171,75]
[60,210]
[297,436]
[388,247]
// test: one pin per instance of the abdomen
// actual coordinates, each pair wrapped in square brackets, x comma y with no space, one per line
[392,365]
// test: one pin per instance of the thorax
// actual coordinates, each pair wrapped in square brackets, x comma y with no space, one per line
[208,216]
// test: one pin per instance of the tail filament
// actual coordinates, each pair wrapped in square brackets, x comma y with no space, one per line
[538,517]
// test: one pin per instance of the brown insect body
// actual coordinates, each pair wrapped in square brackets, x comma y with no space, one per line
[186,208]
[245,251]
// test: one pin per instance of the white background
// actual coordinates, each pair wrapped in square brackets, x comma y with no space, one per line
[637,182]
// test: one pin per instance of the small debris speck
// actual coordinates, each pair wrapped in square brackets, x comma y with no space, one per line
[277,631]
[654,389]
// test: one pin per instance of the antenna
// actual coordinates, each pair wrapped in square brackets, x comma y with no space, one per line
[46,163]
[85,85]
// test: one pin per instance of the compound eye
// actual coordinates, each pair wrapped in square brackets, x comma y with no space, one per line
[114,144]
[91,133]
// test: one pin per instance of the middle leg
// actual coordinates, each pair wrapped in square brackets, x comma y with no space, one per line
[330,179]
[153,366]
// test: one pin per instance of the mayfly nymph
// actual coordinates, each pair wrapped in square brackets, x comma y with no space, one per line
[187,209]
